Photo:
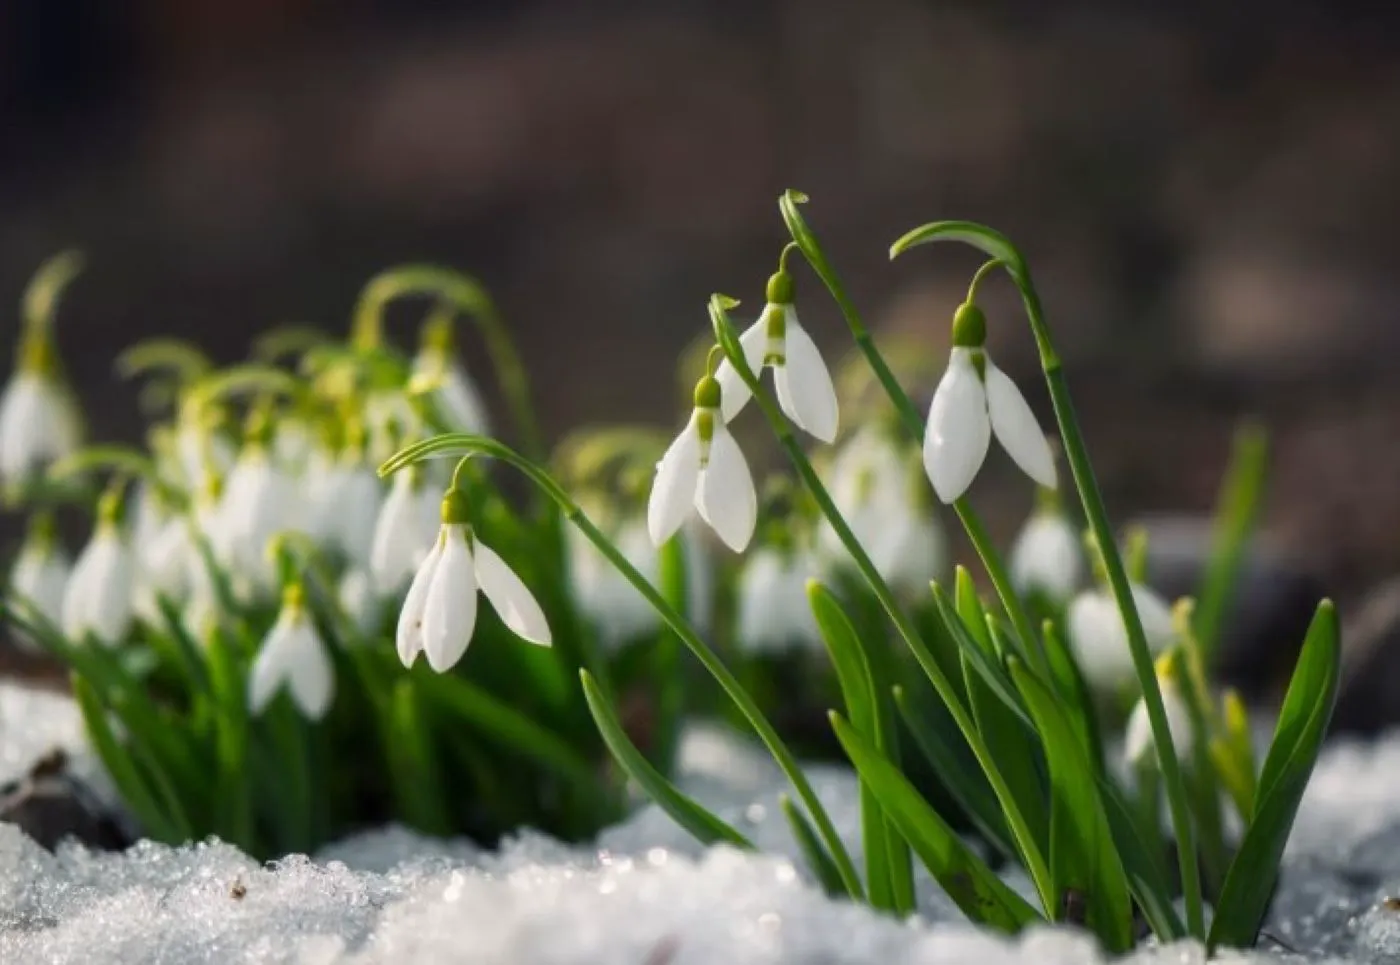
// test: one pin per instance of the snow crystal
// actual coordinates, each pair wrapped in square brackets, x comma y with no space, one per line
[644,894]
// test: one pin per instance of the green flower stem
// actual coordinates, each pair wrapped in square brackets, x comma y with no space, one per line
[467,294]
[1035,862]
[913,420]
[40,300]
[458,444]
[999,247]
[121,461]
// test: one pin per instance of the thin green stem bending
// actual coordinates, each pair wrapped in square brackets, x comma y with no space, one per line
[459,444]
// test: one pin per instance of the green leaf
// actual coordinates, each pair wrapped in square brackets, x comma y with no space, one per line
[705,826]
[969,608]
[226,687]
[828,875]
[982,896]
[1077,699]
[1083,857]
[413,761]
[1147,875]
[1237,509]
[1302,725]
[135,791]
[987,669]
[889,871]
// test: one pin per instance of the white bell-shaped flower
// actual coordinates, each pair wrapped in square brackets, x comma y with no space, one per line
[260,501]
[38,421]
[614,606]
[358,501]
[294,656]
[1047,557]
[455,396]
[973,401]
[98,598]
[1139,747]
[877,487]
[40,573]
[439,613]
[774,614]
[1100,640]
[201,446]
[704,468]
[404,531]
[359,600]
[800,377]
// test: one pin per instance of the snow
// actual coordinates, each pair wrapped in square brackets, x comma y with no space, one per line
[644,894]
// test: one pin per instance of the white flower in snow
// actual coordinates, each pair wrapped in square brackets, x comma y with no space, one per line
[38,423]
[1047,556]
[800,376]
[1100,640]
[878,489]
[294,656]
[439,613]
[98,598]
[705,469]
[774,613]
[40,573]
[975,399]
[1139,747]
[403,532]
[455,395]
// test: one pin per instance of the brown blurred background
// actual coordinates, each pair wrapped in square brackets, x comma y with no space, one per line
[1208,195]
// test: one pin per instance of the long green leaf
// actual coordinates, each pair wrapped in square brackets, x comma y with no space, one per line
[234,795]
[974,887]
[1302,726]
[1147,875]
[828,875]
[135,791]
[414,762]
[986,668]
[1084,860]
[889,880]
[704,825]
[1237,509]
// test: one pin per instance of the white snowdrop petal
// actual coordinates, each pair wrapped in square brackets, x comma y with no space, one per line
[726,498]
[959,431]
[357,514]
[459,401]
[1016,428]
[309,672]
[359,601]
[734,393]
[673,490]
[511,598]
[449,613]
[111,613]
[1100,641]
[1046,557]
[1139,745]
[804,387]
[408,636]
[270,666]
[1156,616]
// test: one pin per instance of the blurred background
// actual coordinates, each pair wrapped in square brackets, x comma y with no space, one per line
[1207,193]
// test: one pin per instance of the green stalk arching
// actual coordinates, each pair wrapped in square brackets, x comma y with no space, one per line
[460,444]
[999,247]
[913,421]
[1035,862]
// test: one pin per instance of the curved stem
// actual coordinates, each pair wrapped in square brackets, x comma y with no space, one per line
[471,298]
[913,420]
[119,460]
[999,247]
[1035,861]
[458,444]
[40,299]
[977,278]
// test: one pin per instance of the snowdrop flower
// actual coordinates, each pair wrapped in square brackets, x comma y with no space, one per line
[260,501]
[774,613]
[404,531]
[704,468]
[1139,748]
[40,572]
[38,419]
[800,376]
[877,487]
[358,599]
[455,395]
[344,500]
[973,400]
[200,445]
[1100,639]
[165,564]
[613,605]
[98,599]
[439,612]
[294,656]
[1047,557]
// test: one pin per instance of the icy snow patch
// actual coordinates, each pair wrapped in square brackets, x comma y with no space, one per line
[644,894]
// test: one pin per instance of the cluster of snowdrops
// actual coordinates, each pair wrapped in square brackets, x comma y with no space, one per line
[231,610]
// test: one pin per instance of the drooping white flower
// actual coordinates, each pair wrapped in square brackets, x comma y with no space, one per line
[613,605]
[200,446]
[1100,640]
[40,574]
[350,509]
[454,395]
[165,567]
[260,501]
[294,656]
[1047,557]
[98,598]
[704,468]
[877,487]
[359,600]
[390,419]
[38,424]
[1139,747]
[774,613]
[800,377]
[973,401]
[403,532]
[439,613]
